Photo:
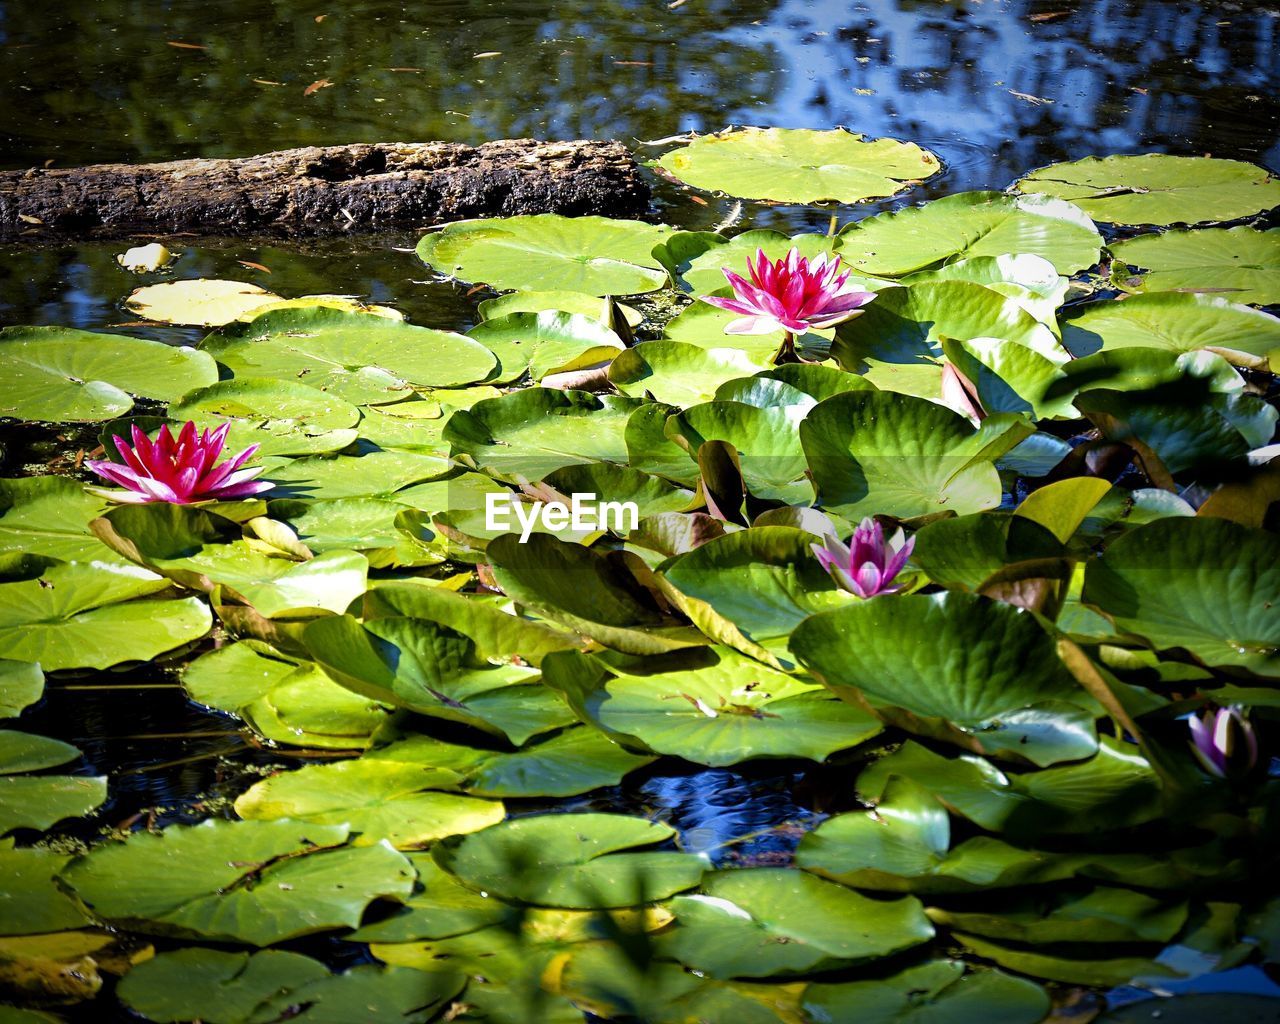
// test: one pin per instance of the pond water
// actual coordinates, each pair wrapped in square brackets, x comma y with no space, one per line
[994,88]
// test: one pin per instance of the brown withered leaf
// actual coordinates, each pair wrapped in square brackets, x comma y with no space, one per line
[316,86]
[254,266]
[179,45]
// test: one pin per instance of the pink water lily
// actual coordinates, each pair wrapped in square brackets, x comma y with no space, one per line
[793,295]
[1224,742]
[179,472]
[869,564]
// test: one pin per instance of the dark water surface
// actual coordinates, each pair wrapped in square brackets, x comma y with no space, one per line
[995,88]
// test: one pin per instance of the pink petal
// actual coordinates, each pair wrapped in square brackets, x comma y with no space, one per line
[753,325]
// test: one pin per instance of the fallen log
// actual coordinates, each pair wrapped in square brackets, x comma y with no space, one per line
[324,190]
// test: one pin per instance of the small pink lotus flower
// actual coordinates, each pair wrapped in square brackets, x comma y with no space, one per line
[867,566]
[1224,742]
[793,295]
[179,472]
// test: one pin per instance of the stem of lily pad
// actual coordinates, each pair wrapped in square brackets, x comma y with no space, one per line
[787,350]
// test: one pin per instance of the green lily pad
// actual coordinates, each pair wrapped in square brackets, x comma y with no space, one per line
[440,907]
[30,900]
[41,801]
[530,433]
[21,685]
[375,527]
[678,373]
[766,441]
[1100,915]
[49,515]
[1120,970]
[606,482]
[1179,323]
[577,862]
[574,761]
[257,882]
[379,800]
[953,666]
[938,990]
[705,272]
[281,417]
[703,324]
[1011,378]
[564,302]
[881,453]
[907,325]
[369,474]
[969,225]
[1207,586]
[1029,280]
[23,752]
[1116,788]
[218,987]
[781,921]
[363,359]
[1153,188]
[1241,264]
[798,165]
[60,374]
[189,546]
[544,343]
[436,671]
[93,615]
[722,710]
[548,252]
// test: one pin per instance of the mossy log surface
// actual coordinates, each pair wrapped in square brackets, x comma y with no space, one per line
[324,190]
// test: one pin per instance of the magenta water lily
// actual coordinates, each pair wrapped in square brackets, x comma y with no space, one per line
[1224,742]
[793,295]
[180,471]
[869,564]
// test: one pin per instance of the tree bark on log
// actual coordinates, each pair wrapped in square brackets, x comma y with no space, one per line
[324,190]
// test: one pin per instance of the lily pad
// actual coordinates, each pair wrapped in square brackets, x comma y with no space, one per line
[1207,586]
[771,921]
[723,710]
[30,900]
[1173,321]
[23,752]
[375,527]
[201,302]
[440,907]
[41,801]
[21,685]
[49,515]
[1241,264]
[281,417]
[880,453]
[363,359]
[564,302]
[548,252]
[544,343]
[583,861]
[678,373]
[257,882]
[1029,280]
[379,800]
[938,990]
[797,165]
[1153,188]
[705,273]
[369,474]
[766,441]
[219,987]
[969,225]
[953,666]
[531,433]
[61,374]
[93,615]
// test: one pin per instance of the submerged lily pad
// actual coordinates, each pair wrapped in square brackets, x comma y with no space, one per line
[1153,188]
[969,225]
[1208,586]
[782,921]
[548,252]
[587,861]
[1241,264]
[953,666]
[200,302]
[364,359]
[61,374]
[258,882]
[798,165]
